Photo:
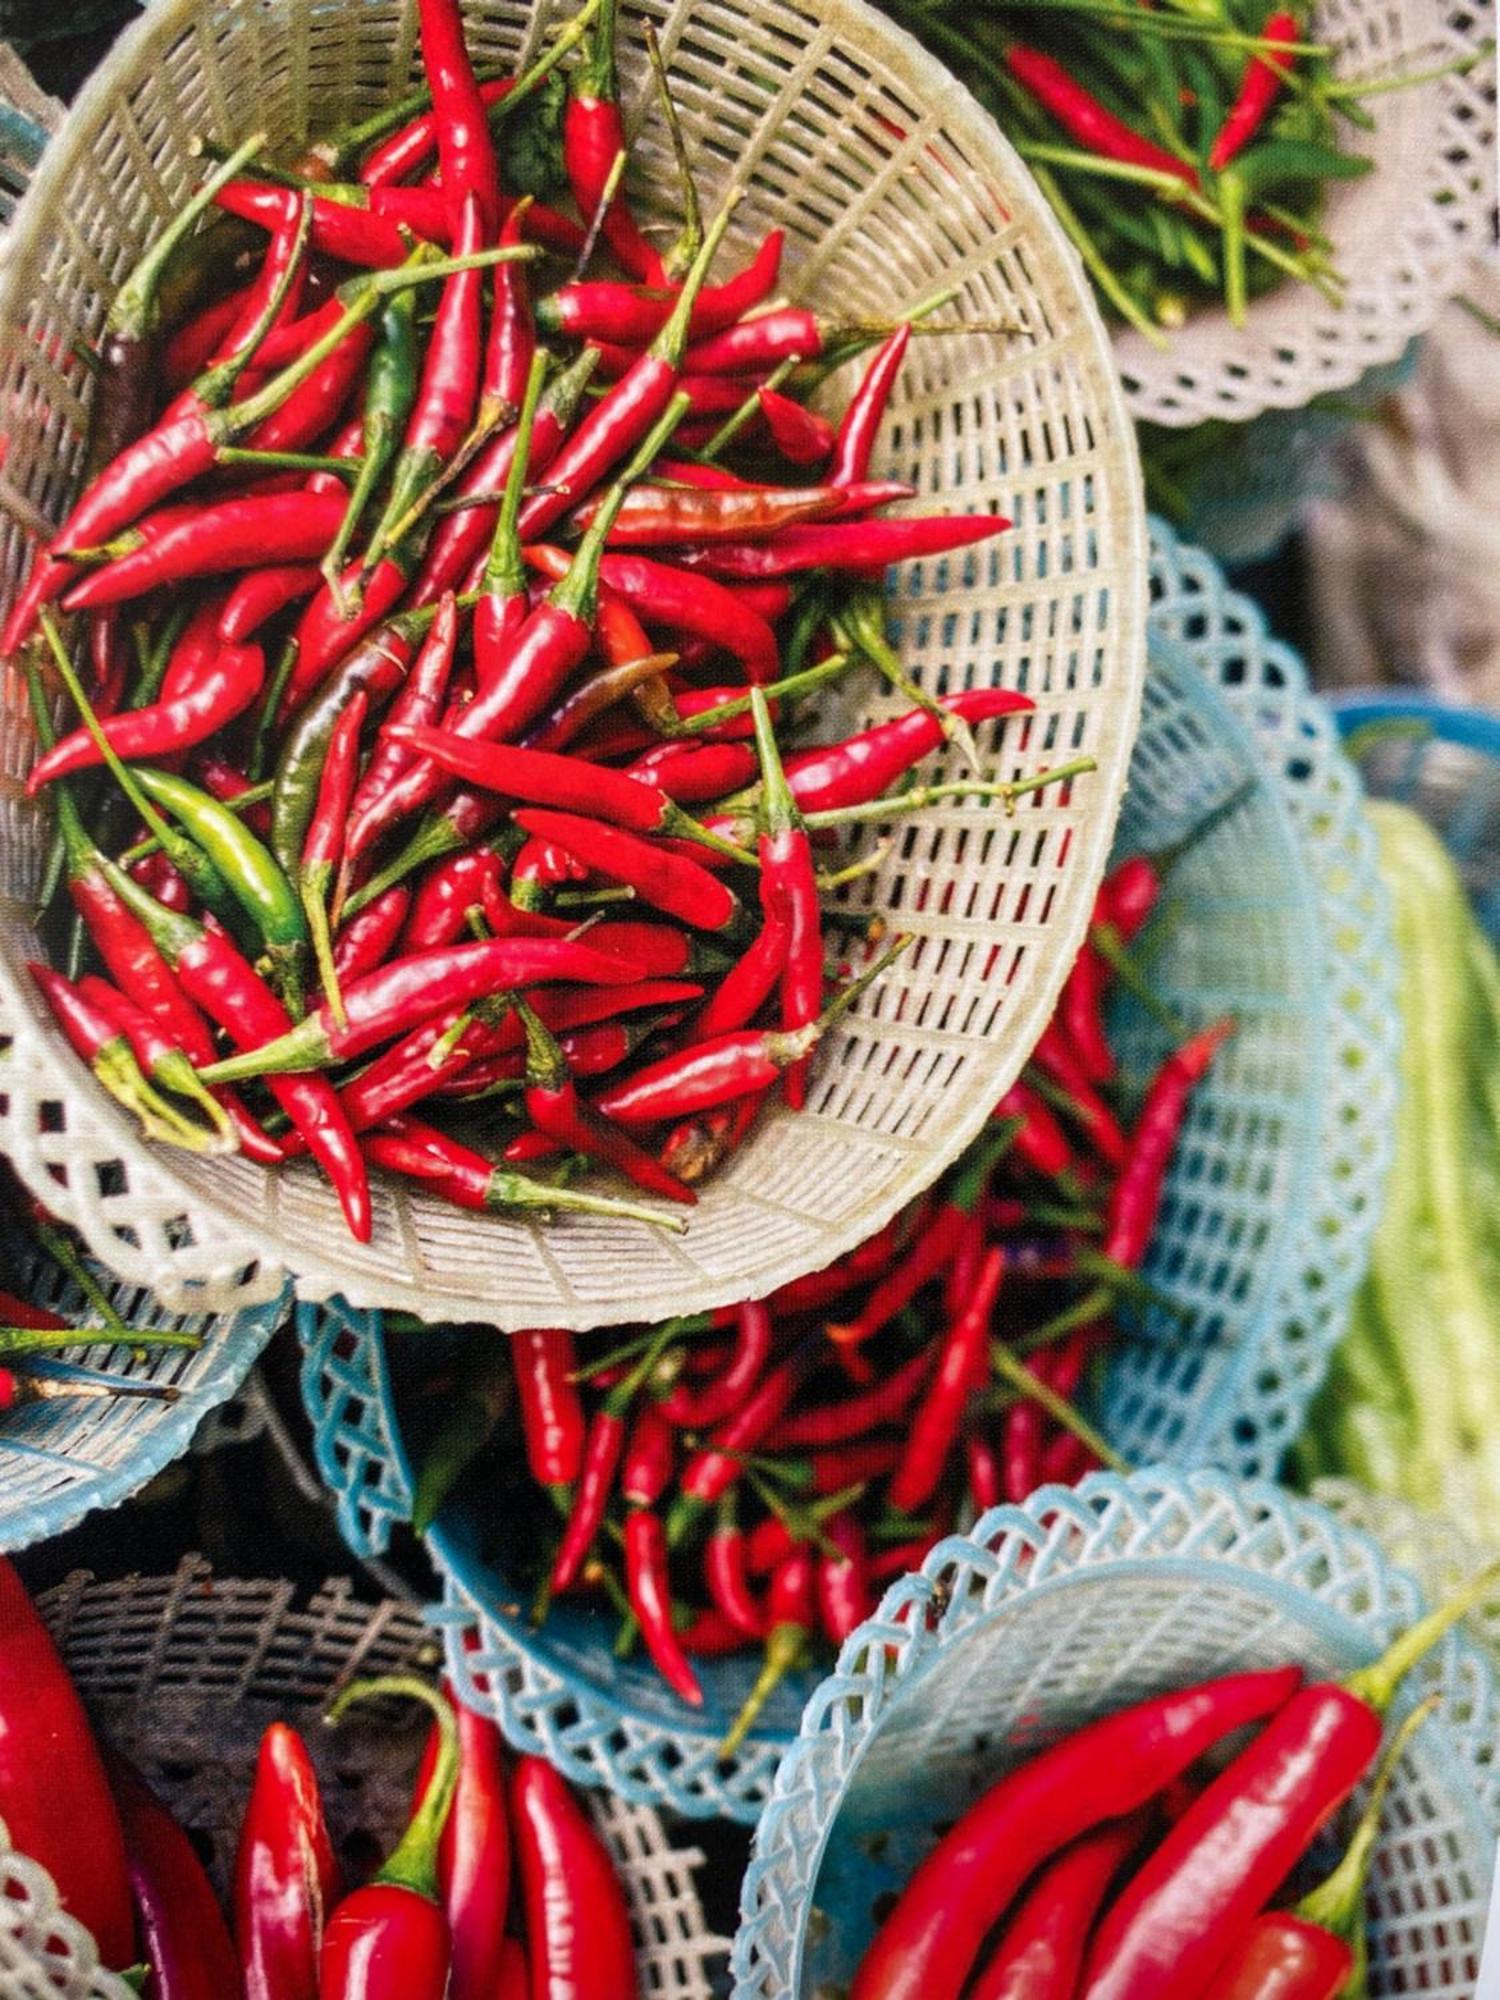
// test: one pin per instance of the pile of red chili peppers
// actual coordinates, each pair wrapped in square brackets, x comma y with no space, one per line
[1146,1855]
[755,1477]
[500,1888]
[435,747]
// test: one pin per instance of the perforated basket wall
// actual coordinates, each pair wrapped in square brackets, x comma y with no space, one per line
[62,1458]
[889,183]
[1401,233]
[1274,914]
[1444,762]
[1074,1606]
[184,1672]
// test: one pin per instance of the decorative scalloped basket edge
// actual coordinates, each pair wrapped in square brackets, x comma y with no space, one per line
[1402,234]
[1255,693]
[184,1670]
[1293,1567]
[1033,425]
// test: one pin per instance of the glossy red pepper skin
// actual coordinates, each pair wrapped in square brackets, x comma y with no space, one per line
[722,1395]
[1135,1199]
[1040,1951]
[55,1800]
[384,1943]
[577,1925]
[601,1461]
[726,1575]
[668,881]
[863,766]
[286,1879]
[466,152]
[257,598]
[552,1419]
[1282,1957]
[928,1944]
[961,1360]
[231,534]
[418,702]
[699,1078]
[799,434]
[682,602]
[860,425]
[144,735]
[367,940]
[186,1941]
[844,545]
[845,1597]
[650,1593]
[474,1856]
[400,156]
[1085,119]
[1263,78]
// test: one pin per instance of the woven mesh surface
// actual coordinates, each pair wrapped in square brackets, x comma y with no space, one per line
[184,1672]
[1275,915]
[1401,233]
[1069,1608]
[61,1459]
[889,183]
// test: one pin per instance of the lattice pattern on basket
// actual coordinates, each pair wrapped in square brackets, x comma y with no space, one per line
[1436,1550]
[889,183]
[61,1459]
[1401,234]
[1072,1606]
[1277,917]
[183,1673]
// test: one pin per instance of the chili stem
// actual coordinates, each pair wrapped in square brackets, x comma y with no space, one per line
[1057,1407]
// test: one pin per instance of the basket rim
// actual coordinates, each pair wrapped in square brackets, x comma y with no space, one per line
[843,1716]
[220,1247]
[1448,721]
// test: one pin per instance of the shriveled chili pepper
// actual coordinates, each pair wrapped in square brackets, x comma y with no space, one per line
[1039,1954]
[790,1616]
[1223,1860]
[844,545]
[323,847]
[578,1932]
[1264,75]
[650,1593]
[929,1942]
[186,1941]
[1135,1198]
[286,1876]
[1085,119]
[799,434]
[390,1939]
[860,424]
[663,516]
[54,1797]
[934,1428]
[219,980]
[473,1854]
[366,940]
[593,138]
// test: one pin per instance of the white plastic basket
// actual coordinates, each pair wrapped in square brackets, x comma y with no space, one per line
[889,182]
[184,1672]
[1402,234]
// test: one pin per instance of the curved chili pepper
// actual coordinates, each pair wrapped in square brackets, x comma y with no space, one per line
[413,144]
[473,1854]
[695,773]
[844,545]
[1040,1951]
[232,534]
[789,894]
[601,1461]
[390,1939]
[860,425]
[717,1465]
[650,1594]
[143,734]
[1135,1198]
[626,315]
[1282,1957]
[552,1420]
[1079,1021]
[684,602]
[1264,75]
[258,597]
[667,881]
[577,1926]
[799,434]
[365,941]
[862,767]
[930,1940]
[232,993]
[390,391]
[286,1877]
[54,1797]
[186,1941]
[1128,895]
[661,516]
[456,886]
[717,1399]
[1058,1056]
[935,1427]
[856,1416]
[1085,119]
[466,152]
[323,847]
[593,138]
[790,1614]
[726,1574]
[1239,1840]
[419,701]
[845,1598]
[94,1035]
[510,351]
[1039,1140]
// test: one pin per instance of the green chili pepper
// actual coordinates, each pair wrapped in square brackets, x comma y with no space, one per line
[390,390]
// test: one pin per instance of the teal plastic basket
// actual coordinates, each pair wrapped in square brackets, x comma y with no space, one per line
[1069,1608]
[1274,914]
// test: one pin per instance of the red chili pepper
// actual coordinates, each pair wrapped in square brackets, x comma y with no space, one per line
[473,1855]
[593,138]
[552,1419]
[323,844]
[286,1878]
[325,634]
[726,1574]
[454,887]
[467,1179]
[233,994]
[601,1461]
[1058,1056]
[577,1926]
[624,315]
[1282,1957]
[143,735]
[54,1798]
[697,1408]
[399,995]
[412,145]
[186,1941]
[306,414]
[845,1598]
[1135,1199]
[188,349]
[712,1470]
[929,1255]
[661,516]
[650,1459]
[695,773]
[960,1361]
[357,225]
[929,1942]
[419,701]
[693,1149]
[256,598]
[789,895]
[860,424]
[1021,1458]
[466,153]
[511,348]
[903,1558]
[650,1593]
[1040,1952]
[710,1636]
[856,1416]
[799,434]
[667,881]
[179,543]
[1263,78]
[390,1939]
[790,1613]
[844,545]
[982,1462]
[1039,1140]
[1085,119]
[862,767]
[1128,896]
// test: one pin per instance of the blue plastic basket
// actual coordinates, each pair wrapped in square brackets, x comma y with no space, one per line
[1274,914]
[1444,762]
[1074,1606]
[61,1459]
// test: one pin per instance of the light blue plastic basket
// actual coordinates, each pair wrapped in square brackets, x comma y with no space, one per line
[1071,1607]
[1444,762]
[61,1459]
[1275,915]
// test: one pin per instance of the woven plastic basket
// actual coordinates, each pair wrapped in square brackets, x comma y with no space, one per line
[61,1459]
[889,182]
[1072,1607]
[1275,915]
[184,1672]
[1401,233]
[1443,762]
